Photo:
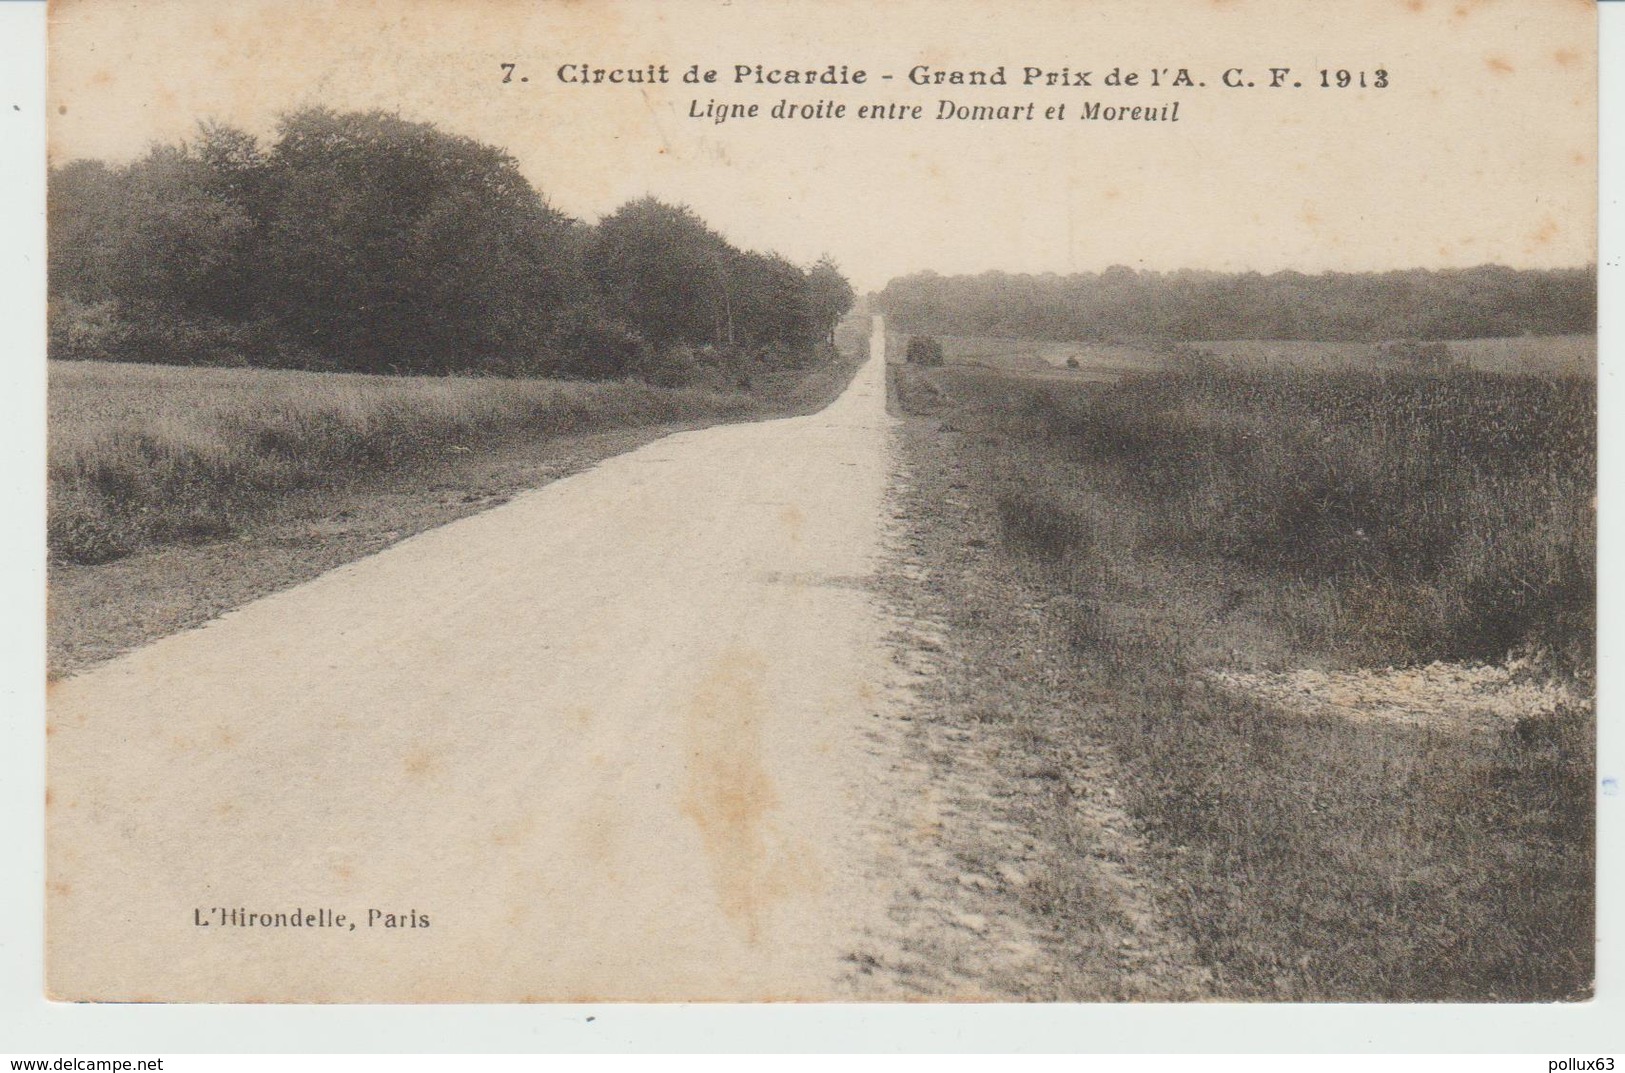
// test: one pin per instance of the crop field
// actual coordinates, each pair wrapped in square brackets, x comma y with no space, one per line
[149,454]
[1336,625]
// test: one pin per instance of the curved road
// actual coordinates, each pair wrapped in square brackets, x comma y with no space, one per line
[606,739]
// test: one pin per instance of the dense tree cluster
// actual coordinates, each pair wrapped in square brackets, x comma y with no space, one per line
[365,242]
[1121,303]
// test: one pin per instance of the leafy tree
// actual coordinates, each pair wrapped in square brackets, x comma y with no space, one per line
[771,306]
[367,242]
[390,244]
[829,296]
[660,269]
[85,215]
[180,246]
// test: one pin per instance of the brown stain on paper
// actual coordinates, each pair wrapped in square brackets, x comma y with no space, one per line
[794,521]
[727,792]
[420,762]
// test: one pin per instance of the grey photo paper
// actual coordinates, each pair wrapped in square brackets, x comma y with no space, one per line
[772,500]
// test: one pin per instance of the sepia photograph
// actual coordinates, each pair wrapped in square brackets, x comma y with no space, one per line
[1061,501]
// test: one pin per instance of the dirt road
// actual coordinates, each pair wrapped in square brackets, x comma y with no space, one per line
[608,741]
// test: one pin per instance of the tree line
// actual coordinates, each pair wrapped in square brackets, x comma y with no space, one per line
[1124,304]
[364,242]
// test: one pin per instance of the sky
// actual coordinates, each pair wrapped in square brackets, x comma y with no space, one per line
[1481,148]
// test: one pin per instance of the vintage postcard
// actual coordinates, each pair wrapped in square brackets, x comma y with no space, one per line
[774,500]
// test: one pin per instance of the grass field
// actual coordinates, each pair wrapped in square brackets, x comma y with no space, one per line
[1097,361]
[1549,355]
[1177,524]
[1561,355]
[141,455]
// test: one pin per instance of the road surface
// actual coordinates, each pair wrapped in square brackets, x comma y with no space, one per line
[603,742]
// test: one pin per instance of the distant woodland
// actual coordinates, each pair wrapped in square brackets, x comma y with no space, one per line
[1124,304]
[363,242]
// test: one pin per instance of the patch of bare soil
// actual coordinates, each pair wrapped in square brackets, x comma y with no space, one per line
[98,612]
[1024,878]
[1463,698]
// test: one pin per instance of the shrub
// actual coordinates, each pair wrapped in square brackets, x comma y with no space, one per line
[86,331]
[672,366]
[924,350]
[152,334]
[593,346]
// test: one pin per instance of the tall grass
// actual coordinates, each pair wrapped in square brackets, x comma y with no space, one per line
[142,455]
[1452,513]
[1180,521]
